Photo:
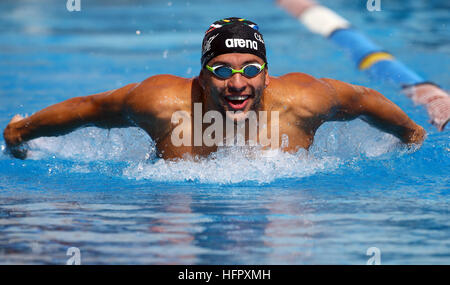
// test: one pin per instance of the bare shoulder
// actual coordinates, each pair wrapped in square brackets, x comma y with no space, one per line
[304,94]
[296,78]
[161,95]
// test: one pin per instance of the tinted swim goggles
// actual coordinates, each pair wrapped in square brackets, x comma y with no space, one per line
[225,72]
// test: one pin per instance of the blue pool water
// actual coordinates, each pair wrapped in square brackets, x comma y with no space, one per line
[105,193]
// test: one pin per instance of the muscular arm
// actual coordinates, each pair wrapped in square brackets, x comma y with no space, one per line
[105,110]
[356,101]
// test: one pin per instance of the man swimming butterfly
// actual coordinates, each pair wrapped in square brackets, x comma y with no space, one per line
[234,81]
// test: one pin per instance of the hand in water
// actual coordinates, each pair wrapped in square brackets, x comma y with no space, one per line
[14,144]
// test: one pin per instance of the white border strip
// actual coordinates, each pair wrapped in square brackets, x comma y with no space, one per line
[322,20]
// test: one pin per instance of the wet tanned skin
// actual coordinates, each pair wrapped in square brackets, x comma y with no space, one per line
[304,103]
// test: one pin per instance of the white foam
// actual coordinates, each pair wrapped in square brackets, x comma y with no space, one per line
[94,144]
[336,144]
[233,165]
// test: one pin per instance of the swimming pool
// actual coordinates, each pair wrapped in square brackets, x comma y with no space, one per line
[105,192]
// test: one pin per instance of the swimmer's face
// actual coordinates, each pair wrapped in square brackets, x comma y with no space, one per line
[237,94]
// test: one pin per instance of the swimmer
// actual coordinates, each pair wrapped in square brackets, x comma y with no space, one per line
[234,81]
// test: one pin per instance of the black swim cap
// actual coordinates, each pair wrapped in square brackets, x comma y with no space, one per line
[232,35]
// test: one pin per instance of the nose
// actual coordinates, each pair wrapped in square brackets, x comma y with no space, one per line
[237,83]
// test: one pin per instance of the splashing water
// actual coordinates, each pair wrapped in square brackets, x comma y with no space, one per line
[131,154]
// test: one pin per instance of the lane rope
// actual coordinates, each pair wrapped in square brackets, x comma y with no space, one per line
[371,58]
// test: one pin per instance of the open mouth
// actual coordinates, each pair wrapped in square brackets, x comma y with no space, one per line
[237,102]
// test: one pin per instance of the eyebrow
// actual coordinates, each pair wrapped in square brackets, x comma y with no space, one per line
[250,61]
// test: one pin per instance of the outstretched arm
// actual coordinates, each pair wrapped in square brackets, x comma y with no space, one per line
[105,110]
[356,101]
